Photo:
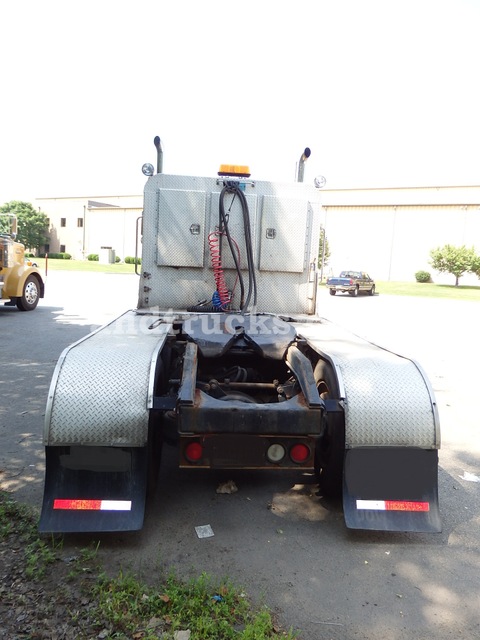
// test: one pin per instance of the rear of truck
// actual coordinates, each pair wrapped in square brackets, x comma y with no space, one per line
[225,359]
[351,282]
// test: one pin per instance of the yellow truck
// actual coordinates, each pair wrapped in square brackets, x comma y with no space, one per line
[21,285]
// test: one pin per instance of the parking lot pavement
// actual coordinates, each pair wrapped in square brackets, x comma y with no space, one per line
[94,298]
[273,536]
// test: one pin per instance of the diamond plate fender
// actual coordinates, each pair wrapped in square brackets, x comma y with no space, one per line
[392,433]
[387,398]
[102,387]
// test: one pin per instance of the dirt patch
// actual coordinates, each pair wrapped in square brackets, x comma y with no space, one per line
[43,592]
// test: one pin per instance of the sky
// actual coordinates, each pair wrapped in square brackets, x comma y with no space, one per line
[385,93]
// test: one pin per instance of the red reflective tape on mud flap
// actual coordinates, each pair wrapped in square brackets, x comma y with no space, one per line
[393,505]
[92,505]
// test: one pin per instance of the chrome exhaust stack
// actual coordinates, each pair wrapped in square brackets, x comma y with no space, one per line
[158,145]
[301,165]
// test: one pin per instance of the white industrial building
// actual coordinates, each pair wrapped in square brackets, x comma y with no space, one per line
[84,225]
[388,232]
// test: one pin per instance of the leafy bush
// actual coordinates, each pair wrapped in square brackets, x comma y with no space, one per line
[117,259]
[93,257]
[422,276]
[132,260]
[58,256]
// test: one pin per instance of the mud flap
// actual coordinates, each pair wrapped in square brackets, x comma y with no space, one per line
[391,489]
[94,489]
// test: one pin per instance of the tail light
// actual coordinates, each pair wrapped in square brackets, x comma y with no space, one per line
[193,451]
[275,453]
[299,453]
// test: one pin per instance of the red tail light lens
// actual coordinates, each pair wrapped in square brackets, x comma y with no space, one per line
[193,451]
[299,453]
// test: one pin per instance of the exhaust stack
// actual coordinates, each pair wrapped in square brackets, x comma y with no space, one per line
[158,145]
[301,165]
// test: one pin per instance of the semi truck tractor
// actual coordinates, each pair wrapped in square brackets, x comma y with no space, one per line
[21,284]
[227,358]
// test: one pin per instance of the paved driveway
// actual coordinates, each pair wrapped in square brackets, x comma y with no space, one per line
[273,536]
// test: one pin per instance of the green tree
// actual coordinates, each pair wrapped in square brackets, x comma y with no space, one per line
[4,224]
[32,225]
[475,268]
[454,260]
[323,256]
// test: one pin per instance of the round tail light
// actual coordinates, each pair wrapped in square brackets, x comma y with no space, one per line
[194,451]
[276,453]
[299,453]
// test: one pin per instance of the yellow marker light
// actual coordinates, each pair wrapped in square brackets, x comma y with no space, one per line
[238,170]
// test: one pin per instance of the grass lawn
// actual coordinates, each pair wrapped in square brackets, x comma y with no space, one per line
[429,290]
[421,289]
[54,264]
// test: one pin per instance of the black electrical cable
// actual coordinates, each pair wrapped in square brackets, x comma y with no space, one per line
[249,246]
[223,228]
[234,188]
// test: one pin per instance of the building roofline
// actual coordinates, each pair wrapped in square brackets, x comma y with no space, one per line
[133,195]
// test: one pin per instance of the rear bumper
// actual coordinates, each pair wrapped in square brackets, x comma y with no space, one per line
[338,287]
[247,451]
